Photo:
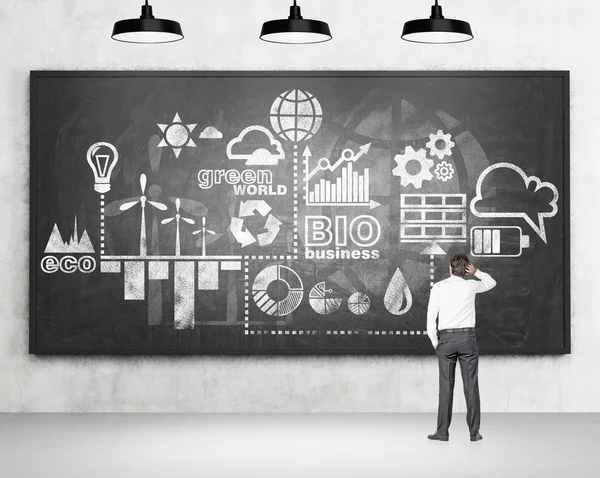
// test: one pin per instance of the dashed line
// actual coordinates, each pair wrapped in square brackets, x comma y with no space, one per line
[338,332]
[431,270]
[295,194]
[296,198]
[246,294]
[283,332]
[397,332]
[102,198]
[271,258]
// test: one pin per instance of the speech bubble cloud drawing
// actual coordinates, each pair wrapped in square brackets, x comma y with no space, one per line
[538,227]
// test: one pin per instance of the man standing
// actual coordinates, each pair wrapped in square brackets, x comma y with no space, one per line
[452,302]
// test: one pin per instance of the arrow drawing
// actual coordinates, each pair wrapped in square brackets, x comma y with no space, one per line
[247,208]
[241,234]
[306,155]
[273,225]
[347,156]
[432,249]
[245,237]
[350,188]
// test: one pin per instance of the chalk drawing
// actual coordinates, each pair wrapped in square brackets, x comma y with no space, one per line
[359,303]
[397,294]
[539,225]
[210,132]
[406,177]
[296,115]
[440,152]
[322,300]
[75,244]
[177,135]
[444,171]
[290,281]
[177,218]
[260,156]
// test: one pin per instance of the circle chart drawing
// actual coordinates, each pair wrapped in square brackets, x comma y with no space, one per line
[359,303]
[322,301]
[267,301]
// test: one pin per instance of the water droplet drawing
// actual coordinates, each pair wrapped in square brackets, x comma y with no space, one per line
[396,294]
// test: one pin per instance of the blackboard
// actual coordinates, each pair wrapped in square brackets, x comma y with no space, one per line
[247,212]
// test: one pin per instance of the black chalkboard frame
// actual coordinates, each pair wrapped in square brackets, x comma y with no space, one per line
[564,75]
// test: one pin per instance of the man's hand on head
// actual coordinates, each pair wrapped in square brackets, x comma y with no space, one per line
[471,270]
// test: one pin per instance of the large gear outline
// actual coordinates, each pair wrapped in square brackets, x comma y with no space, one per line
[448,144]
[415,179]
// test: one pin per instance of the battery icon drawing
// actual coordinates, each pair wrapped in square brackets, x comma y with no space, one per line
[499,241]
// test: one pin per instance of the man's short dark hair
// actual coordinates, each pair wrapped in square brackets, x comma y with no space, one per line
[459,265]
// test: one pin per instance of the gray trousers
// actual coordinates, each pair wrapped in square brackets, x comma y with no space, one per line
[464,347]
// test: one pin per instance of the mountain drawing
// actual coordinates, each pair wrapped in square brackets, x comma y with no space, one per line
[75,245]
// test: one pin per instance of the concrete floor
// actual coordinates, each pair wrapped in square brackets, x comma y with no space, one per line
[378,445]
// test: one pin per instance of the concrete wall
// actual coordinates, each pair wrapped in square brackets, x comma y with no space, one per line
[70,34]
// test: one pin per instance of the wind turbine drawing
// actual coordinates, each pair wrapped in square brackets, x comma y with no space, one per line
[177,217]
[204,231]
[118,207]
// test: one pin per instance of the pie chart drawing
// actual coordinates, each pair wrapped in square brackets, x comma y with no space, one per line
[321,300]
[277,304]
[359,303]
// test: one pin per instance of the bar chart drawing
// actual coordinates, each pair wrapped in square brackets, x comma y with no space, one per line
[351,188]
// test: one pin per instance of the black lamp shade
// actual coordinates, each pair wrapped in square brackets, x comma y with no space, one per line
[147,29]
[295,29]
[437,29]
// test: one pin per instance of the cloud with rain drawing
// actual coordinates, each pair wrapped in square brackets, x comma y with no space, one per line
[505,191]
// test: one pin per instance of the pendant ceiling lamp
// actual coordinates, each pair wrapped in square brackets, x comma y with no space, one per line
[147,29]
[295,29]
[437,29]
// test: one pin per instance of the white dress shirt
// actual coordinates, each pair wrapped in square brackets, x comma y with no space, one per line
[453,300]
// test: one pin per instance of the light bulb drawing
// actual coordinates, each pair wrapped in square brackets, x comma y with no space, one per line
[204,231]
[177,217]
[142,200]
[102,158]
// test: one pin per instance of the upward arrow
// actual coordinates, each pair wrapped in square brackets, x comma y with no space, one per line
[364,149]
[307,154]
[433,249]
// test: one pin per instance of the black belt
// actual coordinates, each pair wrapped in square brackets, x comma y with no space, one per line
[452,331]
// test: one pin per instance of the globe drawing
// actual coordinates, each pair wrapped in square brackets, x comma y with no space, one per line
[296,115]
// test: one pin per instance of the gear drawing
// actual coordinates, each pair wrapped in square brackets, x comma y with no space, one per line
[448,144]
[444,171]
[407,178]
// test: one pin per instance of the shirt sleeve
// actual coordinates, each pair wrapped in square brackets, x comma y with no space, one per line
[432,312]
[485,282]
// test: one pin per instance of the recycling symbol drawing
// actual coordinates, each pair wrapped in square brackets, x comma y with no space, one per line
[248,209]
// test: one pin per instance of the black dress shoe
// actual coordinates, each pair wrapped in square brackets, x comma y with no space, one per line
[476,437]
[438,437]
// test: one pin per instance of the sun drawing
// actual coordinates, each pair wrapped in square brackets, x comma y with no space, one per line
[177,135]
